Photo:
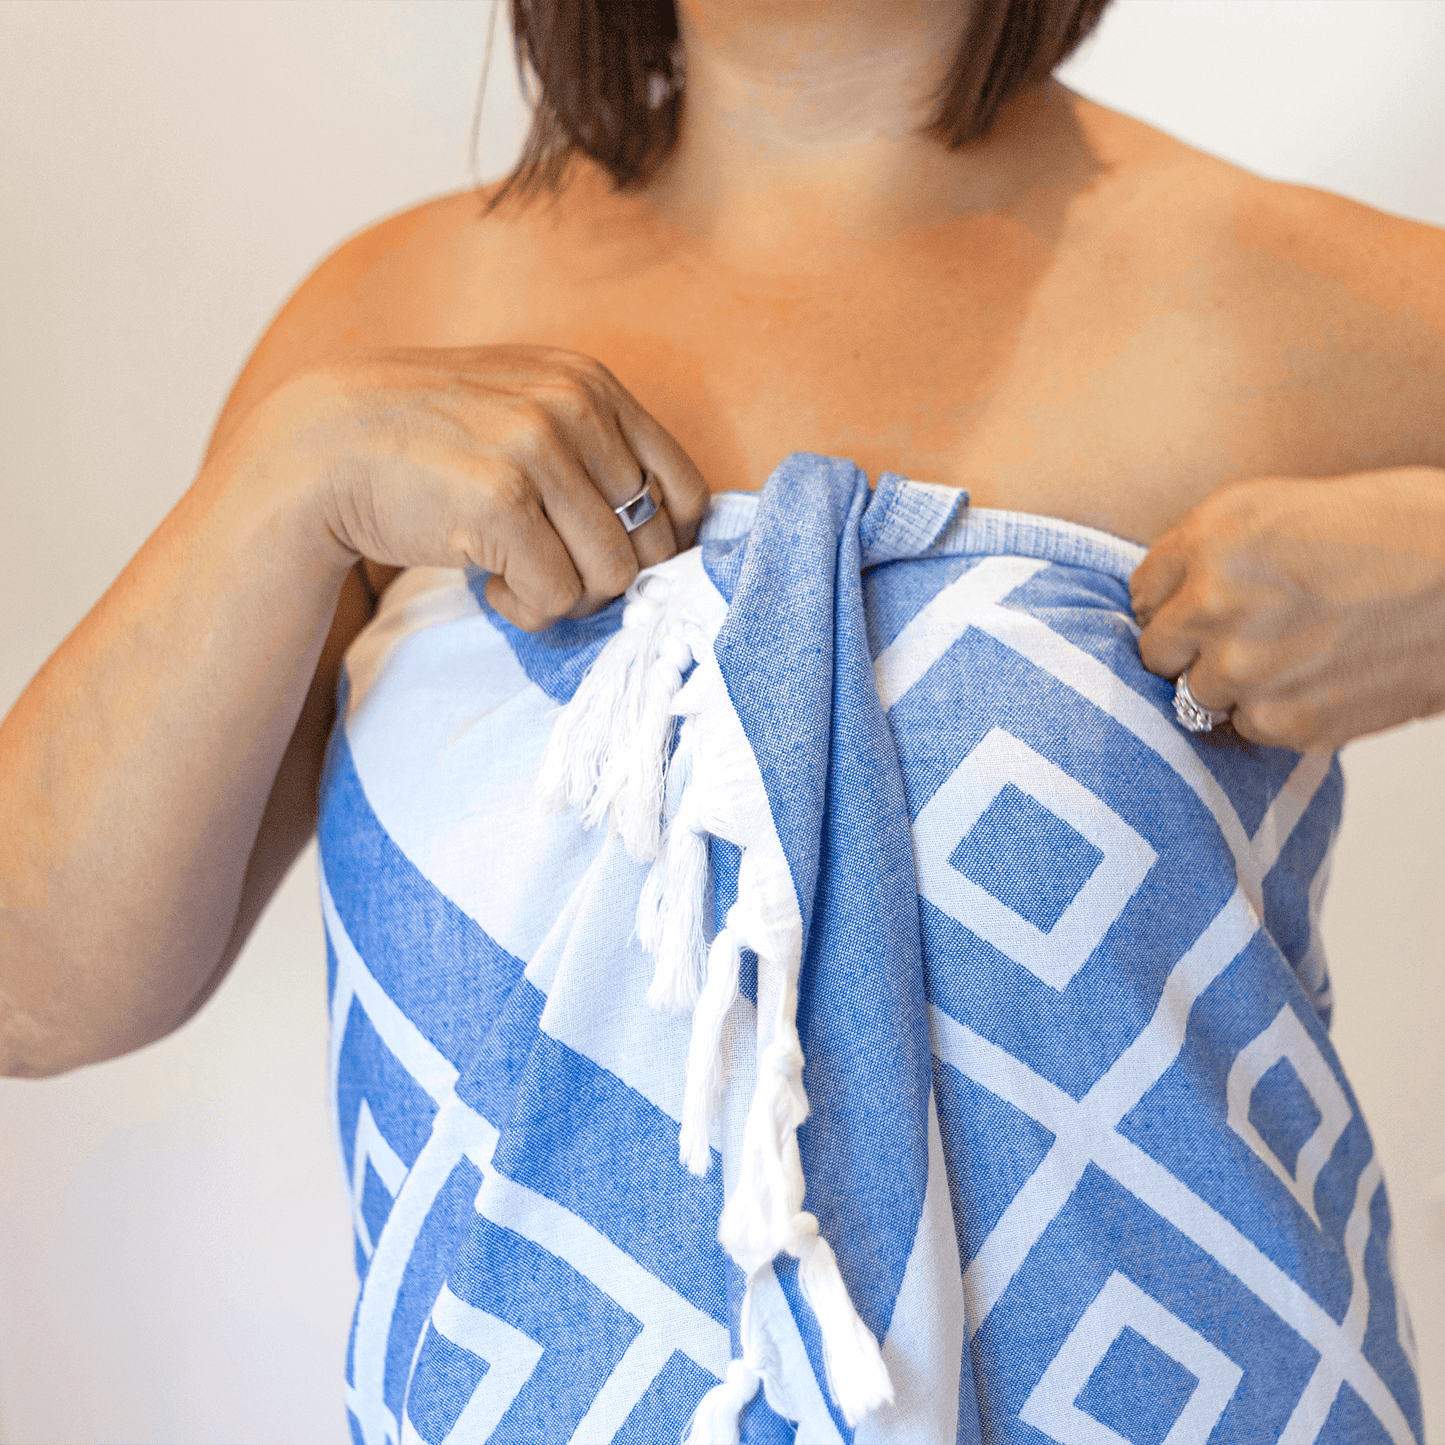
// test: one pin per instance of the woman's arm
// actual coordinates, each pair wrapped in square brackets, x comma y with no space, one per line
[137,766]
[158,776]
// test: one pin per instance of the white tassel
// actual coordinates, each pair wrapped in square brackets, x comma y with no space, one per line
[719,1414]
[706,1066]
[764,1215]
[634,773]
[583,731]
[674,910]
[608,753]
[758,1220]
[670,920]
[857,1376]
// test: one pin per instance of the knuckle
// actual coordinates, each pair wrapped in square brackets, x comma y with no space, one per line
[519,614]
[558,596]
[1232,660]
[510,493]
[1210,595]
[592,374]
[533,422]
[621,570]
[1180,547]
[695,502]
[1164,649]
[571,398]
[1140,594]
[461,542]
[687,497]
[1277,722]
[590,367]
[568,594]
[1245,720]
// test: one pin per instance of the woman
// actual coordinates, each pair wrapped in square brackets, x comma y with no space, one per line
[799,181]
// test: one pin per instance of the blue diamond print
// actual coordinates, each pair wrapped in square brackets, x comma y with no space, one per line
[445,1380]
[985,1127]
[1137,1390]
[1283,1112]
[1027,857]
[376,1203]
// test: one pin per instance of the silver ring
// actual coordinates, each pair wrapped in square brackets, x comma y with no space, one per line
[642,508]
[1193,716]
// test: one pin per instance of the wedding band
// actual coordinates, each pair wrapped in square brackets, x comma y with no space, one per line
[635,511]
[1193,716]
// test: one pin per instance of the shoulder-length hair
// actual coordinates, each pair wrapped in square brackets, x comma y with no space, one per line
[606,79]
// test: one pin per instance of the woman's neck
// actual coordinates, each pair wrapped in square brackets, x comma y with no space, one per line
[808,118]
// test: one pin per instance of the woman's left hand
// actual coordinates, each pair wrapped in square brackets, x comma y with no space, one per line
[1314,610]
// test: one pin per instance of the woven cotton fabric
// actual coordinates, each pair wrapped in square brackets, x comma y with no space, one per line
[1076,1134]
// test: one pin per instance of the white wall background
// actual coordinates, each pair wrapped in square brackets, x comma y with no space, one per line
[174,1256]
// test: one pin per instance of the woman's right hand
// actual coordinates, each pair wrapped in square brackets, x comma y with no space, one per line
[509,458]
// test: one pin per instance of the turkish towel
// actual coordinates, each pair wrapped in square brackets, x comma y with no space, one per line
[826,996]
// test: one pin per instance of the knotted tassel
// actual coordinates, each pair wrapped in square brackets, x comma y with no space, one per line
[719,1414]
[758,1219]
[857,1376]
[670,916]
[764,1216]
[634,772]
[674,909]
[706,1066]
[608,753]
[583,732]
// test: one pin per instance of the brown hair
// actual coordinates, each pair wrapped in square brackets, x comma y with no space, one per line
[608,80]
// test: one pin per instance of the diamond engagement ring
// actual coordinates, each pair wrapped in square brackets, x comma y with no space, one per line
[1193,716]
[639,509]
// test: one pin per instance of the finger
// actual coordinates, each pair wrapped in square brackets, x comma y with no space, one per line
[501,598]
[653,539]
[535,582]
[619,476]
[583,517]
[1170,642]
[1210,688]
[1158,576]
[685,495]
[1280,722]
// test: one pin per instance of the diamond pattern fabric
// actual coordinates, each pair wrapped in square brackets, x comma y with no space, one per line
[1076,1133]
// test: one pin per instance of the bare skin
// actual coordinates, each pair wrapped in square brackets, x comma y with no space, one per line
[1078,317]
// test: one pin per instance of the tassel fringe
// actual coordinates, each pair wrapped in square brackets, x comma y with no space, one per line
[673,910]
[608,756]
[706,1066]
[719,1414]
[608,753]
[857,1377]
[760,1217]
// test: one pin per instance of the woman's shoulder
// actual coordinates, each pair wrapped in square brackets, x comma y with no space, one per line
[1326,314]
[1351,301]
[446,270]
[1386,262]
[398,280]
[1192,192]
[443,272]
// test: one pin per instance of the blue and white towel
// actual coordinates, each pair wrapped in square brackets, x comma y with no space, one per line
[896,1029]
